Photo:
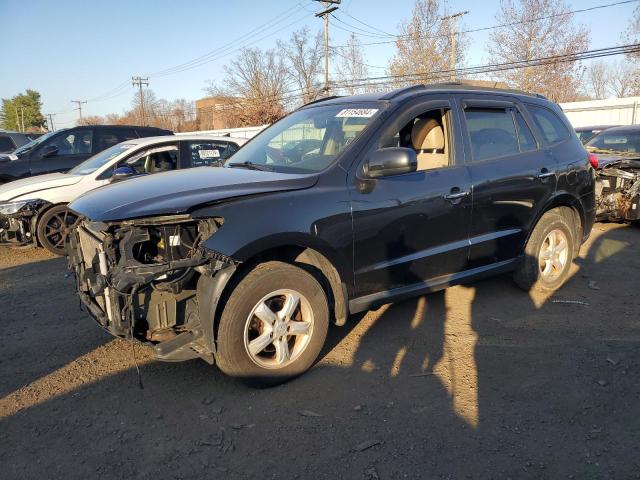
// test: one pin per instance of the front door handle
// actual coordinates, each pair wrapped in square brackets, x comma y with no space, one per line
[455,194]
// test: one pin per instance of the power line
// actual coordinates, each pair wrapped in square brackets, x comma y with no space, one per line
[504,25]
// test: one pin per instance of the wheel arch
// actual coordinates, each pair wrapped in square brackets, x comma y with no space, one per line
[35,221]
[576,214]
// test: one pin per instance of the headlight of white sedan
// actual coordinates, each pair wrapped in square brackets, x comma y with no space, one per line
[11,208]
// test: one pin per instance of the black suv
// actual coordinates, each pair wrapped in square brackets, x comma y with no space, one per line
[9,141]
[62,150]
[406,193]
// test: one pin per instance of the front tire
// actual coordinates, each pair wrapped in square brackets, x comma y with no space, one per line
[273,325]
[54,227]
[548,253]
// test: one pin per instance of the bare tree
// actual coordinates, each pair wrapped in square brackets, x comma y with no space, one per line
[624,81]
[303,55]
[257,79]
[424,45]
[92,120]
[351,66]
[598,79]
[539,29]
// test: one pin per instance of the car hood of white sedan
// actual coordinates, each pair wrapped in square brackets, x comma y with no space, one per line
[34,185]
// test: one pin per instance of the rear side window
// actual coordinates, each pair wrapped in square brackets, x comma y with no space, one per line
[108,138]
[6,144]
[492,132]
[552,128]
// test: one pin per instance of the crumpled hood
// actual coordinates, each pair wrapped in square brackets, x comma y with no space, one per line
[32,185]
[180,191]
[606,159]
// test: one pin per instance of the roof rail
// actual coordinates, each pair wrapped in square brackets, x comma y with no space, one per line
[400,91]
[318,100]
[482,85]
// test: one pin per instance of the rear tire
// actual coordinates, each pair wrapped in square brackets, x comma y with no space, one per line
[54,227]
[548,254]
[273,325]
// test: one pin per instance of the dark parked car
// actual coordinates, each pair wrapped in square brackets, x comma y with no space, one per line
[9,141]
[409,192]
[615,153]
[587,133]
[62,150]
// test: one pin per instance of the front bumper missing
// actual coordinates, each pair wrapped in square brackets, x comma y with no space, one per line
[20,227]
[124,298]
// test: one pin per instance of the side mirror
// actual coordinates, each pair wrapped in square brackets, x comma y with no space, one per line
[122,173]
[49,151]
[391,161]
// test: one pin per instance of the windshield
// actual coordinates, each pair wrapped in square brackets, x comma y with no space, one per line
[619,142]
[33,143]
[99,159]
[307,141]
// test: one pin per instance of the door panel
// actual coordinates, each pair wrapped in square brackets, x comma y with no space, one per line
[406,232]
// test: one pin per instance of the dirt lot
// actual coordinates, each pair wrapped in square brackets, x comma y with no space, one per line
[481,381]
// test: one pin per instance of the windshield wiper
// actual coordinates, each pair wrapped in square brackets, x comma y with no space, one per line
[251,166]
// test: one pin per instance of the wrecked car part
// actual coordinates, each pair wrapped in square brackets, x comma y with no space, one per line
[142,278]
[618,191]
[18,220]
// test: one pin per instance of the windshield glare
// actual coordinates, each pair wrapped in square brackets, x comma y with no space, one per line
[98,160]
[28,146]
[308,140]
[627,142]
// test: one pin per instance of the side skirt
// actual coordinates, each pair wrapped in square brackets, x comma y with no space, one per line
[378,299]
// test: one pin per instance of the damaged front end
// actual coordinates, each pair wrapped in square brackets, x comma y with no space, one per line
[18,220]
[618,191]
[151,279]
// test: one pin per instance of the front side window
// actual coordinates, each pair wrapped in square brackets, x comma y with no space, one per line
[492,132]
[308,140]
[154,160]
[427,134]
[6,145]
[75,143]
[208,153]
[551,127]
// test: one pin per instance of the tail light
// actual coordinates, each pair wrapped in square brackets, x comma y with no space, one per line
[593,160]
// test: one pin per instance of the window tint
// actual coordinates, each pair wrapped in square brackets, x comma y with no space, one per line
[552,128]
[6,145]
[206,153]
[77,142]
[109,138]
[525,137]
[492,132]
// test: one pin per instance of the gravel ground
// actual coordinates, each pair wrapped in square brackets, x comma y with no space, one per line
[479,381]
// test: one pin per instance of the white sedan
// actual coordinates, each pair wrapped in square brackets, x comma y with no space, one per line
[34,210]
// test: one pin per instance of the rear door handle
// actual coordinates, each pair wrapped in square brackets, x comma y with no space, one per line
[456,195]
[544,173]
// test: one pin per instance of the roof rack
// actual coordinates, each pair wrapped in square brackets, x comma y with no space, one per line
[481,85]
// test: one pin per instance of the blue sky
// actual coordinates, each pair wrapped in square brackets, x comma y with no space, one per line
[78,49]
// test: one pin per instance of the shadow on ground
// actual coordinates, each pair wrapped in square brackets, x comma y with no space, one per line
[479,381]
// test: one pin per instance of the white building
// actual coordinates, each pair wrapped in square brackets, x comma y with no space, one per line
[612,111]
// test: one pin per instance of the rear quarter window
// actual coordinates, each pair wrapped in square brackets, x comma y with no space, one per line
[553,129]
[6,144]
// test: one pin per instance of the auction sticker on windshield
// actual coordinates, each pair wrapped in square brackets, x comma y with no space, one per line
[357,112]
[209,153]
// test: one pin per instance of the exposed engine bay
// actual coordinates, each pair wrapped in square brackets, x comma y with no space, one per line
[18,220]
[140,279]
[618,191]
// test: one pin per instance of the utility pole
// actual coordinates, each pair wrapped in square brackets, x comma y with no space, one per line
[328,8]
[22,116]
[51,115]
[452,32]
[79,103]
[15,107]
[140,81]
